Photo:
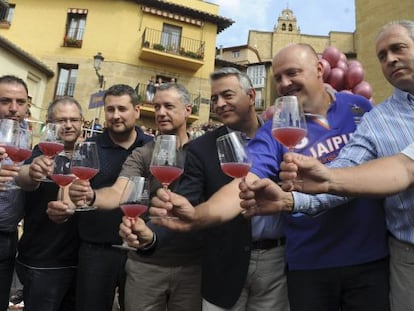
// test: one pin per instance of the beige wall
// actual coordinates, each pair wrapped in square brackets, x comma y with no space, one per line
[35,79]
[114,28]
[367,27]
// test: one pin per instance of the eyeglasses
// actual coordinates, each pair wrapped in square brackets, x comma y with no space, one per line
[66,120]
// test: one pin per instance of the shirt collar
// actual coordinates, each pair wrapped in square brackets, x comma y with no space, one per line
[245,137]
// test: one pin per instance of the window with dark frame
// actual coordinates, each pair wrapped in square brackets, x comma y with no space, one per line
[66,81]
[75,27]
[6,14]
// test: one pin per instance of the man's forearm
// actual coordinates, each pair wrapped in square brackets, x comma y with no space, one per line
[222,207]
[24,181]
[380,177]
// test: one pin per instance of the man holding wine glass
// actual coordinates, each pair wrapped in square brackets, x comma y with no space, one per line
[14,106]
[148,277]
[100,268]
[241,256]
[384,132]
[317,248]
[47,252]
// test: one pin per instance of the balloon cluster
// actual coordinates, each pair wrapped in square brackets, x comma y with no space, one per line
[344,75]
[341,74]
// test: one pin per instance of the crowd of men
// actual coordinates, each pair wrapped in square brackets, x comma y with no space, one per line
[215,243]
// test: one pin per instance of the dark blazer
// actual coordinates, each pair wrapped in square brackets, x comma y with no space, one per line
[227,247]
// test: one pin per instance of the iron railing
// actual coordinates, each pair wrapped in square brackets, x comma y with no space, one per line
[173,44]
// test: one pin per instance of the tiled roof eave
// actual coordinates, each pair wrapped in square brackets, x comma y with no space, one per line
[220,21]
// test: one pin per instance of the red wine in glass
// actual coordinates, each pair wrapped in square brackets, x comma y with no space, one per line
[166,174]
[236,170]
[84,173]
[62,180]
[289,123]
[133,210]
[85,165]
[20,151]
[134,201]
[166,162]
[289,136]
[234,157]
[50,149]
[51,142]
[10,150]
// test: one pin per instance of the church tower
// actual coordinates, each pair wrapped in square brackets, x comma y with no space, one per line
[286,23]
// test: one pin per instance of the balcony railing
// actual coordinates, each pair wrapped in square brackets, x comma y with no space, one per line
[173,44]
[195,99]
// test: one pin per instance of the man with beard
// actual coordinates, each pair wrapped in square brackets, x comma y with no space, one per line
[101,266]
[13,105]
[170,278]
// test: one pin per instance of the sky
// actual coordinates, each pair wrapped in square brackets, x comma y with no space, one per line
[314,17]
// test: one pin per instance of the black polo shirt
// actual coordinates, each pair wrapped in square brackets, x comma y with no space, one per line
[102,226]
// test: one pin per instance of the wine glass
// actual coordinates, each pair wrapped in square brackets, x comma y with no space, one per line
[62,174]
[9,135]
[289,123]
[85,165]
[51,142]
[22,150]
[166,163]
[234,158]
[134,201]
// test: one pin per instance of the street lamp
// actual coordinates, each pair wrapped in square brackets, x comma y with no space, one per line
[97,61]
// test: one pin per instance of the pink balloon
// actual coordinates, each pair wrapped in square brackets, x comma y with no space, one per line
[332,55]
[326,68]
[354,62]
[341,64]
[353,76]
[347,91]
[364,89]
[342,57]
[336,78]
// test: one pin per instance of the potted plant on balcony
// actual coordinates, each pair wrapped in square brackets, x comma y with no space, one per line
[159,47]
[72,42]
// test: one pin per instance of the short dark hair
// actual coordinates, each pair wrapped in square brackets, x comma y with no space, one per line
[15,80]
[122,89]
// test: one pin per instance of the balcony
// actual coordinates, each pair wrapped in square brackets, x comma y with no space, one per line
[171,49]
[147,108]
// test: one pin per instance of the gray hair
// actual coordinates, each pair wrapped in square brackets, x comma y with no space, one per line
[407,24]
[245,82]
[61,100]
[181,90]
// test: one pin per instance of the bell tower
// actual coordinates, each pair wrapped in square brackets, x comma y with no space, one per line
[286,23]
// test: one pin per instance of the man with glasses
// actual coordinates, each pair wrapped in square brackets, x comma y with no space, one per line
[101,266]
[47,252]
[13,105]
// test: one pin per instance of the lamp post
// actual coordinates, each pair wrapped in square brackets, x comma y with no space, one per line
[97,61]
